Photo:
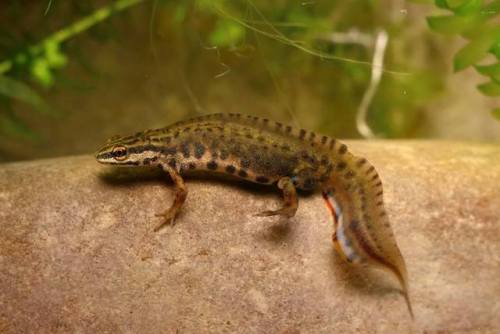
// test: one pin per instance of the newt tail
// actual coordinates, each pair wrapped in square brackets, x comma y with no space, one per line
[363,234]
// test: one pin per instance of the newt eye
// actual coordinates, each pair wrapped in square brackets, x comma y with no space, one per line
[119,153]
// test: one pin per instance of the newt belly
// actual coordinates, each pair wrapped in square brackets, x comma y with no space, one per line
[267,152]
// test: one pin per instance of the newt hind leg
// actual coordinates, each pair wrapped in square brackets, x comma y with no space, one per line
[290,200]
[180,197]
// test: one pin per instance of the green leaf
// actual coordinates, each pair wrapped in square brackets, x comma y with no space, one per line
[468,7]
[22,92]
[55,58]
[473,52]
[492,70]
[451,24]
[442,4]
[460,7]
[490,88]
[227,33]
[40,70]
[496,113]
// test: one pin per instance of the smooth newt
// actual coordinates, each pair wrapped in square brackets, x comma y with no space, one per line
[268,152]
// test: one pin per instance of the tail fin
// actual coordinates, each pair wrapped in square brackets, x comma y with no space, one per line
[362,232]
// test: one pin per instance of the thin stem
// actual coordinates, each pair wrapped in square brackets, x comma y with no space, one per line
[377,69]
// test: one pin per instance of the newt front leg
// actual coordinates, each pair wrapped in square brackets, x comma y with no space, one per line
[180,197]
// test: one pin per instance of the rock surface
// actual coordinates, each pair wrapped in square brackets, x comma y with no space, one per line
[77,251]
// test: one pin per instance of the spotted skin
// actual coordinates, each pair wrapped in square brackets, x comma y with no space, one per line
[267,152]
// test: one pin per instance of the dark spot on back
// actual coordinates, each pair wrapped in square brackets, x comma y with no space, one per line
[302,133]
[288,129]
[242,173]
[176,134]
[212,165]
[332,143]
[342,149]
[230,169]
[324,139]
[341,165]
[185,149]
[199,150]
[361,162]
[279,125]
[312,135]
[192,165]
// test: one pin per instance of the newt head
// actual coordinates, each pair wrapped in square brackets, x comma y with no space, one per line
[127,151]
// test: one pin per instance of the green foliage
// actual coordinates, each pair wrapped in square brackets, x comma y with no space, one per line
[18,90]
[227,33]
[490,88]
[477,21]
[292,41]
[39,62]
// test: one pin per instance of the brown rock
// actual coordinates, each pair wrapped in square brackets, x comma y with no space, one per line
[77,251]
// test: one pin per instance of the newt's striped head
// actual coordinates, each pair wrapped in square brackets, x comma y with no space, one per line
[127,151]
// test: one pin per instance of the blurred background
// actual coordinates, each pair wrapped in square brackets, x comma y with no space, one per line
[73,73]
